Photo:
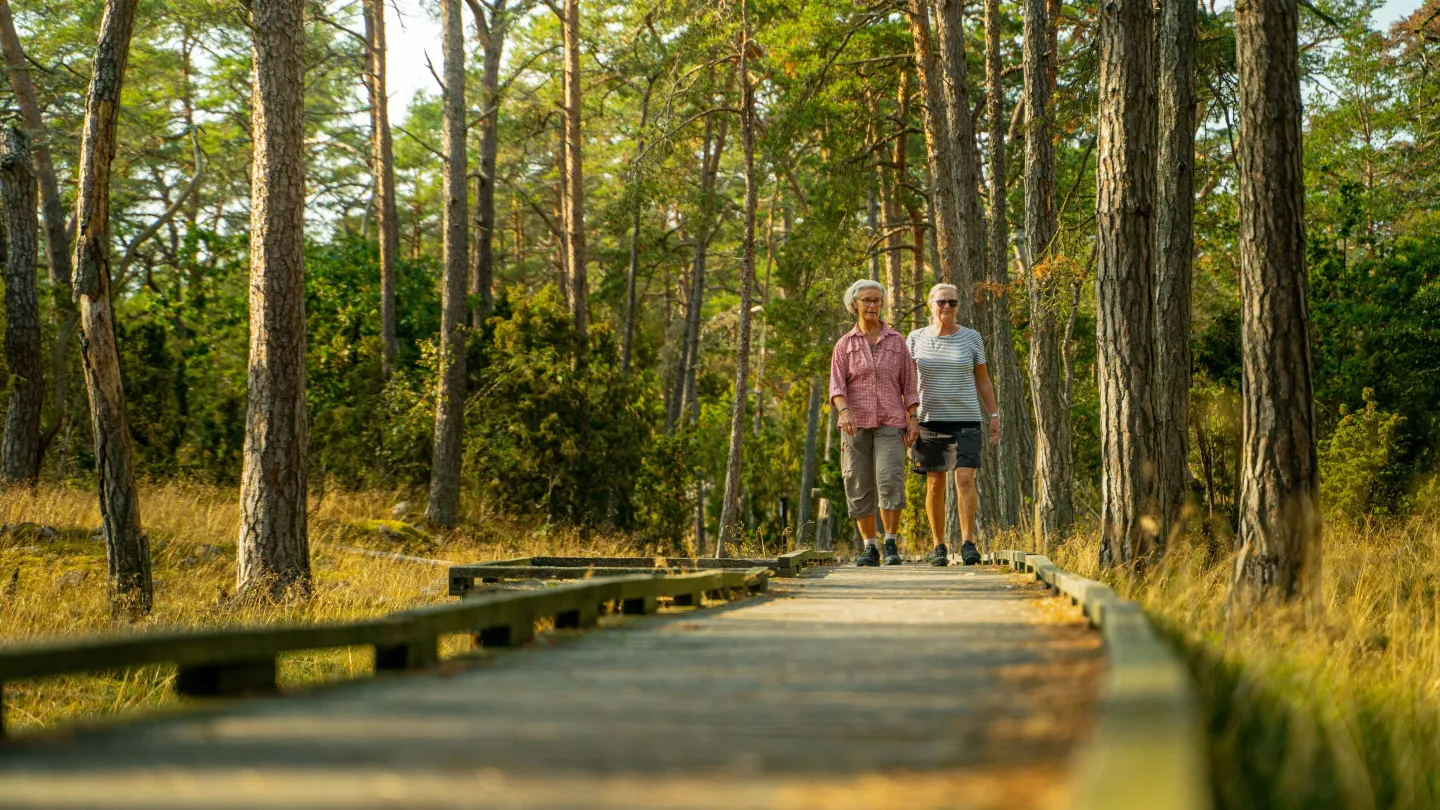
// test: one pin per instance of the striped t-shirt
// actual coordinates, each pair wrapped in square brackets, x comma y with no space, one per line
[946,367]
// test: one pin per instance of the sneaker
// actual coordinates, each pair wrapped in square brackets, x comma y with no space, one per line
[940,556]
[870,557]
[892,554]
[969,554]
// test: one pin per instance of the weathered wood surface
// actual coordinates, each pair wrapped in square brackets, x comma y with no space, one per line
[898,687]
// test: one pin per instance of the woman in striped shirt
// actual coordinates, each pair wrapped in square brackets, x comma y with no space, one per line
[953,385]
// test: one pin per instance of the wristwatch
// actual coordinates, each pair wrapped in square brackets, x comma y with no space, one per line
[994,416]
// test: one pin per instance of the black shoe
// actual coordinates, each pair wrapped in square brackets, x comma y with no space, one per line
[969,554]
[892,554]
[870,557]
[940,556]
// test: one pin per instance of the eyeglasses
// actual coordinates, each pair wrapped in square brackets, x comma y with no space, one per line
[947,302]
[871,302]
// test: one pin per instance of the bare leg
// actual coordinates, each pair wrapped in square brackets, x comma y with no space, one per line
[867,526]
[967,501]
[935,505]
[890,519]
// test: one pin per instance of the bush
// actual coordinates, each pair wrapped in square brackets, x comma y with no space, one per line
[1357,473]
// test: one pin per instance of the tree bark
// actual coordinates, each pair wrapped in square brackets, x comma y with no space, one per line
[492,34]
[127,549]
[950,36]
[57,242]
[1124,283]
[895,219]
[444,506]
[274,549]
[1280,527]
[1054,504]
[730,506]
[939,156]
[807,469]
[20,458]
[382,162]
[1016,456]
[57,238]
[574,174]
[1174,249]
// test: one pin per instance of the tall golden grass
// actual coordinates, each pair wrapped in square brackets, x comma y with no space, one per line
[55,585]
[1339,713]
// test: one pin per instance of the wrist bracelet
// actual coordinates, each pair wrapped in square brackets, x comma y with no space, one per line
[842,410]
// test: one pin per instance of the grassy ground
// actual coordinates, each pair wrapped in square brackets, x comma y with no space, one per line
[54,584]
[1341,713]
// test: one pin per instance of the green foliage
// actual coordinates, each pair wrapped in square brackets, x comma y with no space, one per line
[1357,465]
[554,428]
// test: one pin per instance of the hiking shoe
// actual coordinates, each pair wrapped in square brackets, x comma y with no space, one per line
[870,557]
[892,554]
[940,556]
[969,554]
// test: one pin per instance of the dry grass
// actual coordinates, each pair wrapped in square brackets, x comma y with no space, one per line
[54,586]
[1341,713]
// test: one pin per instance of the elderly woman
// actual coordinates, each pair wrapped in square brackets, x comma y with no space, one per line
[872,388]
[954,384]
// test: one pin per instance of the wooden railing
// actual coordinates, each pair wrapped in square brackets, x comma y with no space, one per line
[1149,750]
[241,660]
[463,577]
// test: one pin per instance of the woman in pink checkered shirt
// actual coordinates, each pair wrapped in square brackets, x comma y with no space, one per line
[872,388]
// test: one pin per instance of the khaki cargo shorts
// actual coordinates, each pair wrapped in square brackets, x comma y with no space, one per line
[873,462]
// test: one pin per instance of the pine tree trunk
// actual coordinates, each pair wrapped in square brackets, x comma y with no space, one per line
[127,549]
[574,174]
[274,550]
[1016,454]
[56,242]
[1280,525]
[1124,283]
[730,505]
[1174,248]
[382,162]
[950,36]
[938,152]
[807,469]
[444,506]
[633,269]
[895,218]
[1054,505]
[713,149]
[483,276]
[20,458]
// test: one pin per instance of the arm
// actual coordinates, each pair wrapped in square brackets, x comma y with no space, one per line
[910,398]
[839,372]
[986,390]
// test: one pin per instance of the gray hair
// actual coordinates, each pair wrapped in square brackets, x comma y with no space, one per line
[939,288]
[854,291]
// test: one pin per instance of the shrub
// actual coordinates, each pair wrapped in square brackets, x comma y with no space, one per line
[1357,474]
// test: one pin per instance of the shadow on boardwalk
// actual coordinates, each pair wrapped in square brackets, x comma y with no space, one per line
[901,687]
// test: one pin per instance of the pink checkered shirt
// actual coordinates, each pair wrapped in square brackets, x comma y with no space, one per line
[878,386]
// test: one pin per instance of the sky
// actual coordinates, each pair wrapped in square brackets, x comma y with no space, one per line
[413,32]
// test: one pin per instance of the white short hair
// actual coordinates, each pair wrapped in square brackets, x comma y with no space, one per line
[939,288]
[854,291]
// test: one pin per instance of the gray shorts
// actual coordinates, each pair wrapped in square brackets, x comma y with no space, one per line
[873,461]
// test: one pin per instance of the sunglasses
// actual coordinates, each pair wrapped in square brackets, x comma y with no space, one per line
[947,302]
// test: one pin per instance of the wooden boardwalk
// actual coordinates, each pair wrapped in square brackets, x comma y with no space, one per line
[908,687]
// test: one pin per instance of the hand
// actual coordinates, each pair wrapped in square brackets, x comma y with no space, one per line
[846,423]
[995,431]
[912,431]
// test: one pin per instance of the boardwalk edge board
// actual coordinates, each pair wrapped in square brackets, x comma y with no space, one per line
[1149,750]
[242,660]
